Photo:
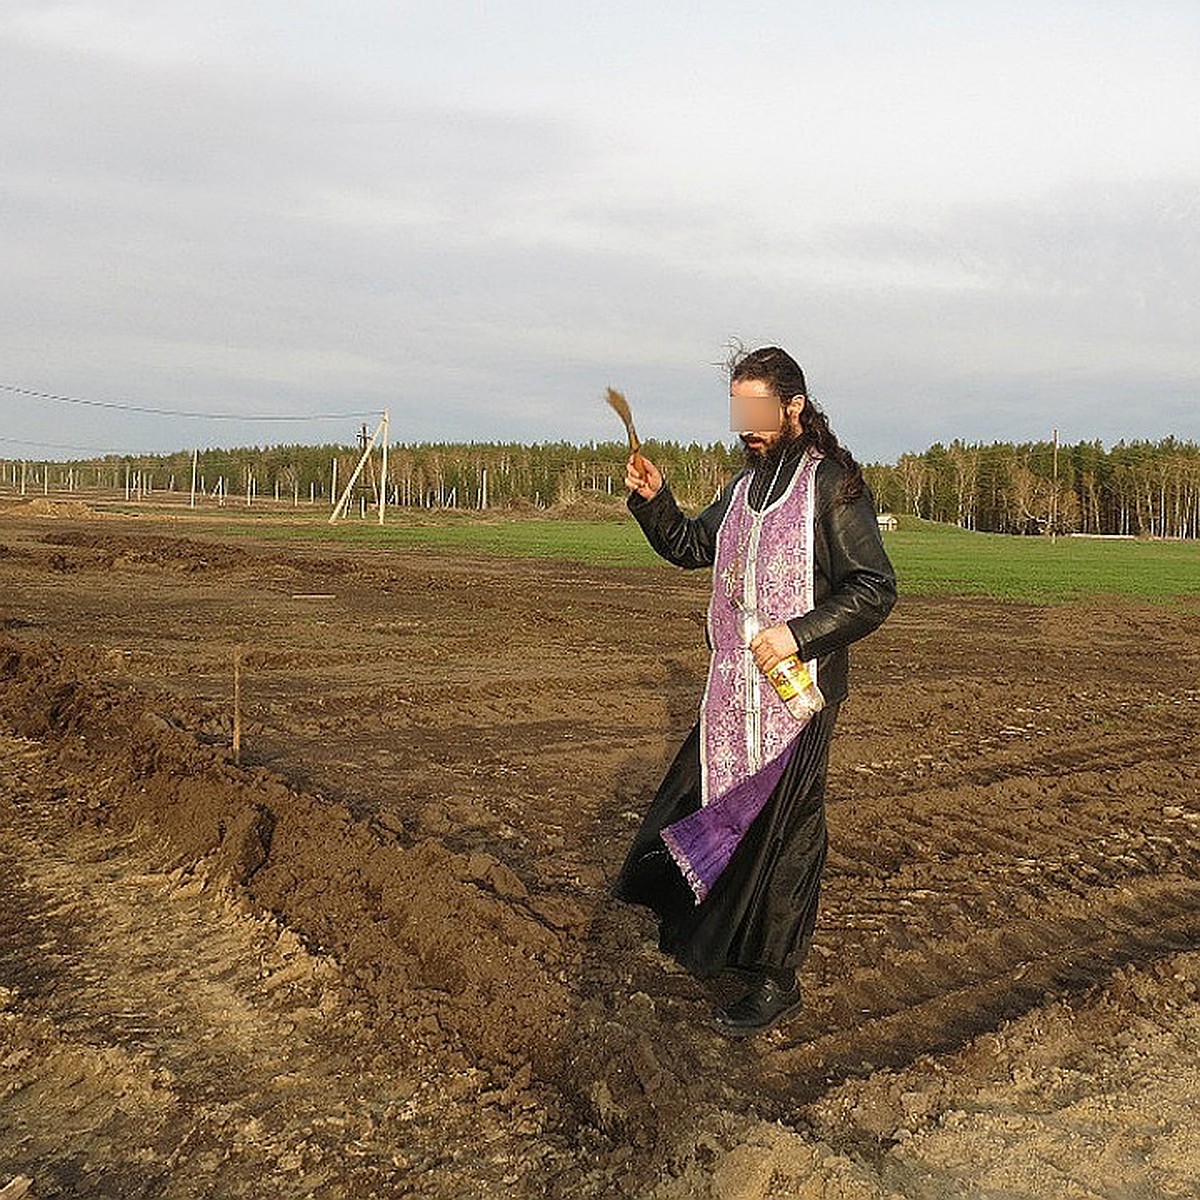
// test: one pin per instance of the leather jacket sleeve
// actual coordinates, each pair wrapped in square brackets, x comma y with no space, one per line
[688,542]
[855,585]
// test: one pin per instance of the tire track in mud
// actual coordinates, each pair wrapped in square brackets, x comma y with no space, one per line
[1030,874]
[158,1041]
[1063,759]
[941,998]
[170,1029]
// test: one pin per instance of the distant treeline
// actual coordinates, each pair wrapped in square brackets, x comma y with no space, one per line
[1147,489]
[1137,488]
[434,475]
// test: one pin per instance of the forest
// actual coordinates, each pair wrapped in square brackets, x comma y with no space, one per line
[1133,489]
[1142,489]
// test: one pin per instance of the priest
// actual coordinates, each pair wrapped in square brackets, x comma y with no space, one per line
[731,852]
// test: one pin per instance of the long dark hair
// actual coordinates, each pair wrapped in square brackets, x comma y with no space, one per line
[783,375]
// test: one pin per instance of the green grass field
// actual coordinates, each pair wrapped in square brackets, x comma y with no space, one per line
[929,559]
[954,562]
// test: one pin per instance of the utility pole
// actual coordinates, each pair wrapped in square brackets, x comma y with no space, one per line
[367,441]
[385,424]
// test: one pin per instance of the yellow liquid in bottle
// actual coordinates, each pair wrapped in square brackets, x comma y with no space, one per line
[793,683]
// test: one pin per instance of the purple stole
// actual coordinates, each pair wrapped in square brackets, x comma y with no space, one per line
[764,570]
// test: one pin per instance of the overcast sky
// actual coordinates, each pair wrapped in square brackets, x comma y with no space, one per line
[975,220]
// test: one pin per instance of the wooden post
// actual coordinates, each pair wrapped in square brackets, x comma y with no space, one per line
[345,497]
[1054,495]
[237,705]
[384,475]
[195,464]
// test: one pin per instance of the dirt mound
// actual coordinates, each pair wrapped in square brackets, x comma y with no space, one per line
[445,944]
[452,952]
[60,510]
[108,550]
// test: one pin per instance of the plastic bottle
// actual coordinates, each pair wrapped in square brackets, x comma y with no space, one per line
[796,687]
[789,677]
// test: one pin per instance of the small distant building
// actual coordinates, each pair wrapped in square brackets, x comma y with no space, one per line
[888,522]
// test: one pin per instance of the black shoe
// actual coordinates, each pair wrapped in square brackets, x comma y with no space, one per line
[762,1008]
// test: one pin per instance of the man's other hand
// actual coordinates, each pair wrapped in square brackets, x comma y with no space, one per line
[772,645]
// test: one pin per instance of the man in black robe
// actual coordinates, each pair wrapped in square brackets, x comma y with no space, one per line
[758,916]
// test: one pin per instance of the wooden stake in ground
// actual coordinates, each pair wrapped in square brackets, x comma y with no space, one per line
[237,705]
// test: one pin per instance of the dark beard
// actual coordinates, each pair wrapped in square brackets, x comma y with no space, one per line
[773,455]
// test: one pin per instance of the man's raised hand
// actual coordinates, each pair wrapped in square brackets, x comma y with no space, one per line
[642,476]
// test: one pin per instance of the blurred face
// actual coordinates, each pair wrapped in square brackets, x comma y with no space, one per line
[758,418]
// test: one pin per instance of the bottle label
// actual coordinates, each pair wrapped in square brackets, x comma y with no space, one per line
[790,678]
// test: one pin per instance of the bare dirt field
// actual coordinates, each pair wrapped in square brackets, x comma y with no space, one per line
[376,956]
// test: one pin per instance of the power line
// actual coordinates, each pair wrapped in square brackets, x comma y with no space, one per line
[171,412]
[94,450]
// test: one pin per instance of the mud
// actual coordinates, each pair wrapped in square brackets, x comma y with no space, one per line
[375,956]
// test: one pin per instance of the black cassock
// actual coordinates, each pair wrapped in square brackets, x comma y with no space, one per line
[761,911]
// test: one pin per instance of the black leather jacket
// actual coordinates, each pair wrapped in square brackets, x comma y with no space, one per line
[854,587]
